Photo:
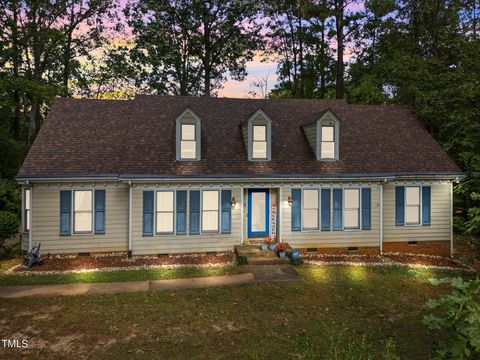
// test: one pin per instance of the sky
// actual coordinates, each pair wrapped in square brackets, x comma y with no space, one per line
[258,69]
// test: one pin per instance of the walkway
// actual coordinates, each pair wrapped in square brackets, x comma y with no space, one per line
[261,273]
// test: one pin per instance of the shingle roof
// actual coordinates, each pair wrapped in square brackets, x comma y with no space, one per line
[137,138]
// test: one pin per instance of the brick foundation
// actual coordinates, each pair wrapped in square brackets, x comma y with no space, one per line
[439,248]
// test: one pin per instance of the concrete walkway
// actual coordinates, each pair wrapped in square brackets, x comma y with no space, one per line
[259,273]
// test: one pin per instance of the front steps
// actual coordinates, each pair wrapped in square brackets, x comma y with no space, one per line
[254,255]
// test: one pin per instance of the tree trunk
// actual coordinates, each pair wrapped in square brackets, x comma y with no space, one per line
[16,93]
[32,118]
[66,63]
[339,88]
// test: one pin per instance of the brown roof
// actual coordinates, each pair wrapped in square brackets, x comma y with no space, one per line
[137,139]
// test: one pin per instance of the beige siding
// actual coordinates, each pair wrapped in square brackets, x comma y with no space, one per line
[162,244]
[317,238]
[440,217]
[46,223]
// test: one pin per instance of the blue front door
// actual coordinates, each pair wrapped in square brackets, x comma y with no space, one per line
[258,212]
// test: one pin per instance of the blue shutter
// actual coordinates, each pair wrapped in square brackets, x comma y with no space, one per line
[296,209]
[426,200]
[148,213]
[181,209]
[366,209]
[65,212]
[194,212]
[400,205]
[99,211]
[337,209]
[226,211]
[325,211]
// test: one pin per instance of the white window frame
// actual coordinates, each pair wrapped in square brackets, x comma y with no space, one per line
[74,232]
[359,227]
[182,140]
[259,118]
[174,212]
[327,141]
[328,119]
[420,205]
[265,140]
[219,225]
[26,211]
[188,117]
[306,229]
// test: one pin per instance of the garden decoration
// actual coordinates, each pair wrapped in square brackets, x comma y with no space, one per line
[280,249]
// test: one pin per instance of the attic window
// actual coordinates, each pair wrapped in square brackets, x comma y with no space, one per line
[328,137]
[188,136]
[259,137]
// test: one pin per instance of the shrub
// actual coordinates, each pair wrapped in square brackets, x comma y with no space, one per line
[9,224]
[458,314]
[241,260]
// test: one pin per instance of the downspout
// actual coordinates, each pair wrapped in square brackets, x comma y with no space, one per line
[130,220]
[380,232]
[451,219]
[30,222]
[241,215]
[279,211]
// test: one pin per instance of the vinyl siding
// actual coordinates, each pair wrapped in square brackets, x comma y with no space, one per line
[440,217]
[46,223]
[317,238]
[311,135]
[163,244]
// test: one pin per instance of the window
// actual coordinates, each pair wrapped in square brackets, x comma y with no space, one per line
[188,136]
[351,212]
[165,209]
[210,210]
[327,150]
[310,209]
[82,211]
[412,205]
[188,143]
[26,216]
[259,146]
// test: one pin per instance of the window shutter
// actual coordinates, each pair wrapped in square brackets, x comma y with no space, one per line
[65,212]
[181,209]
[337,209]
[426,207]
[99,211]
[226,211]
[325,211]
[194,212]
[296,209]
[400,205]
[366,209]
[148,213]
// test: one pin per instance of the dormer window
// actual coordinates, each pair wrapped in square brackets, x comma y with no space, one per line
[259,135]
[188,136]
[327,142]
[327,149]
[259,142]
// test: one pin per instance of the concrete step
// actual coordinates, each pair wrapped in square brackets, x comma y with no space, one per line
[255,256]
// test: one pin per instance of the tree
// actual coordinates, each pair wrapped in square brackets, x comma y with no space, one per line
[186,47]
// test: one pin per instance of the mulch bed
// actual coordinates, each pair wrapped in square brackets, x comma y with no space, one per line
[425,260]
[59,263]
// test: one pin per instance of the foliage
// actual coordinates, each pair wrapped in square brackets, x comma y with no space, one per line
[9,224]
[186,47]
[241,260]
[457,313]
[270,239]
[281,246]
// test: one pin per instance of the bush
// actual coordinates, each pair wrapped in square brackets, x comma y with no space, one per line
[9,224]
[241,260]
[458,314]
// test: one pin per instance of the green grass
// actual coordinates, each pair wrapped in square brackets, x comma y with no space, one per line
[336,313]
[109,276]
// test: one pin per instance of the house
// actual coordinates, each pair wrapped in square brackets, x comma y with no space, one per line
[161,175]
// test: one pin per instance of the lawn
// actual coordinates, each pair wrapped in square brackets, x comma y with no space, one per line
[109,276]
[335,309]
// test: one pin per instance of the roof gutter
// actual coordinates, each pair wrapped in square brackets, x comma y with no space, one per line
[242,178]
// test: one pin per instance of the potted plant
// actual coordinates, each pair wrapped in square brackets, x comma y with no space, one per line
[265,245]
[271,241]
[280,249]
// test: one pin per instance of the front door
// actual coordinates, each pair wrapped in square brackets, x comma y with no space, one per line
[258,212]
